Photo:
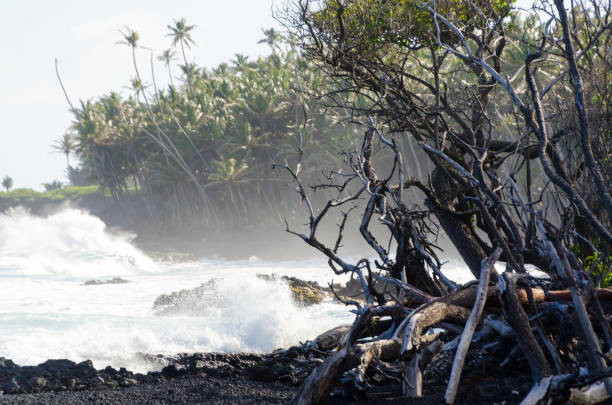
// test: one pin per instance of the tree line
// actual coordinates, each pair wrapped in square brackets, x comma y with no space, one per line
[200,150]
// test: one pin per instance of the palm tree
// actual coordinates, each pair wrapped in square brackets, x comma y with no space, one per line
[167,56]
[271,38]
[7,183]
[137,86]
[180,35]
[241,62]
[131,38]
[66,146]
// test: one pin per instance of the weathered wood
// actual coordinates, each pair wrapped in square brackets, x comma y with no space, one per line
[457,229]
[317,386]
[539,295]
[363,354]
[589,395]
[426,316]
[470,326]
[330,338]
[413,387]
[538,392]
[518,320]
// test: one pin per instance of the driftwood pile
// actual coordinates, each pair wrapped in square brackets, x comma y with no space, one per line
[391,345]
[531,194]
[554,322]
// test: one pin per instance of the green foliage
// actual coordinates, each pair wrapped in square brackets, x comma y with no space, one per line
[600,268]
[221,127]
[65,193]
[54,185]
[403,22]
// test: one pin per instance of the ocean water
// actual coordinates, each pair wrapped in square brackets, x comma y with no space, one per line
[46,312]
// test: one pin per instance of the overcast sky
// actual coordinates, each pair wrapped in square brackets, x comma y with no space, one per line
[83,36]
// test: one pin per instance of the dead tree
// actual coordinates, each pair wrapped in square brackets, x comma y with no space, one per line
[509,185]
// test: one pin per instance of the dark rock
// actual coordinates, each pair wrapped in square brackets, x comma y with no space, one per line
[11,386]
[223,371]
[66,375]
[111,384]
[71,383]
[126,382]
[57,368]
[116,280]
[305,293]
[173,370]
[7,364]
[85,369]
[197,365]
[38,382]
[93,282]
[111,371]
[192,302]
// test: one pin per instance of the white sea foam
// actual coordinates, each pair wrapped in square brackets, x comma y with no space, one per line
[45,312]
[70,242]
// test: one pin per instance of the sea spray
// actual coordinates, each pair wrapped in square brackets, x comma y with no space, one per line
[69,243]
[46,312]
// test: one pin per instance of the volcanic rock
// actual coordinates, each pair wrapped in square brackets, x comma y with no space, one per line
[116,280]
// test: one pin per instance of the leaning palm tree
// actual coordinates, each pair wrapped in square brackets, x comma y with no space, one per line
[180,33]
[7,183]
[131,38]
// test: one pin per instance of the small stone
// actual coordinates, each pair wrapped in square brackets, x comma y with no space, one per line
[97,380]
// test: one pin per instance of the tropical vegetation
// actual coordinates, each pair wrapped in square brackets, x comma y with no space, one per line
[200,151]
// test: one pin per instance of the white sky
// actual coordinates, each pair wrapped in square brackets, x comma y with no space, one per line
[83,35]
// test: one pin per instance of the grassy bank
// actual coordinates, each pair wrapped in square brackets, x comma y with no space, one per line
[28,195]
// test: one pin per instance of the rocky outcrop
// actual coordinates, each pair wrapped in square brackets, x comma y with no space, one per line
[62,375]
[289,366]
[116,280]
[304,292]
[194,302]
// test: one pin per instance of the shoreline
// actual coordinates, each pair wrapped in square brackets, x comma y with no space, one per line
[240,378]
